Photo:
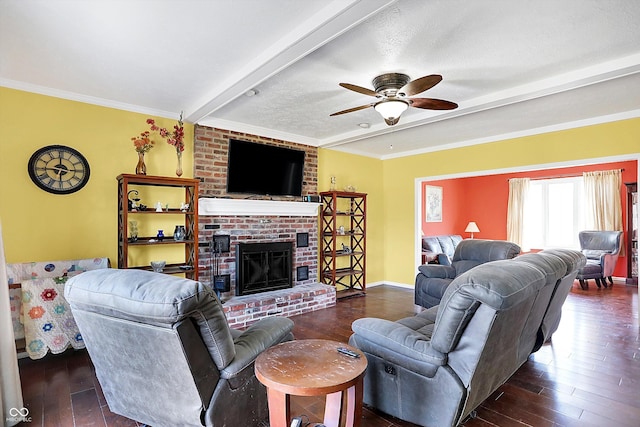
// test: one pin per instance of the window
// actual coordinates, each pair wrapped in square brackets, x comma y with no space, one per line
[554,213]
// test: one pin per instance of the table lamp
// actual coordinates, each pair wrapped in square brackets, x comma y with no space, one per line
[472,227]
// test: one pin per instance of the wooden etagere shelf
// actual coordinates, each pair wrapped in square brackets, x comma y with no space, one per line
[343,253]
[126,183]
[632,233]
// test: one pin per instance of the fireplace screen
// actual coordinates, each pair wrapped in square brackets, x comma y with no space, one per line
[262,267]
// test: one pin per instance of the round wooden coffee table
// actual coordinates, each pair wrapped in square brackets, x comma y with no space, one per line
[312,368]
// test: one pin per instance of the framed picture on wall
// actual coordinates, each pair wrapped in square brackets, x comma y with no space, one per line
[433,200]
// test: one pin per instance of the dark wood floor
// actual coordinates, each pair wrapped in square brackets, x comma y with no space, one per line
[588,376]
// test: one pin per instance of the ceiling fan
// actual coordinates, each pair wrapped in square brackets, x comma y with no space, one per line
[393,91]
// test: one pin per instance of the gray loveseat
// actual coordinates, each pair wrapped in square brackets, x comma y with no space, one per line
[164,353]
[432,279]
[434,368]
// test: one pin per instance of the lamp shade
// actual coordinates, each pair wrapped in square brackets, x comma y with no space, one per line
[472,227]
[391,109]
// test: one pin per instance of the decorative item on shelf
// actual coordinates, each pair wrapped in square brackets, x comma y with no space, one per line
[160,235]
[158,266]
[184,207]
[142,143]
[346,249]
[158,207]
[472,227]
[179,234]
[341,230]
[350,189]
[175,138]
[133,201]
[133,231]
[141,168]
[333,184]
[179,167]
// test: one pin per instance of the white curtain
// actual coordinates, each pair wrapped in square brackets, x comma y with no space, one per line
[602,199]
[11,411]
[518,188]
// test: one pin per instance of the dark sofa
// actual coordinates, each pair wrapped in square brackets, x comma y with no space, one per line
[434,368]
[432,279]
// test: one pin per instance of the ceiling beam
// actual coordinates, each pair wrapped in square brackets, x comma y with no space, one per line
[334,19]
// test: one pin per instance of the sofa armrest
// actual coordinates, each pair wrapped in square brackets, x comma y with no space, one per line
[256,339]
[438,271]
[608,262]
[394,338]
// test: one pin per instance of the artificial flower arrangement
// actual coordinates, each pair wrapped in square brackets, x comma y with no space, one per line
[175,138]
[143,143]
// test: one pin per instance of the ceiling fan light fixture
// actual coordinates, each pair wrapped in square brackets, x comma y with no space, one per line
[391,109]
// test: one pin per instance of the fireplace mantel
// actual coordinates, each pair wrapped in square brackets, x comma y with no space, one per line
[247,207]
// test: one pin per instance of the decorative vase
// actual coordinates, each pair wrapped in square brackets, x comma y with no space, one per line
[160,235]
[179,167]
[141,168]
[133,231]
[179,234]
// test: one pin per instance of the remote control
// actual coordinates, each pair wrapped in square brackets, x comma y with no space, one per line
[348,352]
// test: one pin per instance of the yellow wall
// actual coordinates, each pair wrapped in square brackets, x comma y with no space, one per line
[40,226]
[611,139]
[364,173]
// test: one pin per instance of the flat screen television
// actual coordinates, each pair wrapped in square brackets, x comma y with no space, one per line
[262,169]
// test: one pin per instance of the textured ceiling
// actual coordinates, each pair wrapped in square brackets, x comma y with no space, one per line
[514,68]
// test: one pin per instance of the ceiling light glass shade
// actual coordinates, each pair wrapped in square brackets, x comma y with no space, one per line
[391,109]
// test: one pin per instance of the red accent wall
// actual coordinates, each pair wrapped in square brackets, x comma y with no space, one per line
[484,199]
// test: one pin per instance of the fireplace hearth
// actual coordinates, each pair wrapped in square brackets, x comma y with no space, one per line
[263,267]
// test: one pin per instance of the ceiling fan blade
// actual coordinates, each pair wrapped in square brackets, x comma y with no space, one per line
[359,89]
[351,110]
[433,104]
[420,85]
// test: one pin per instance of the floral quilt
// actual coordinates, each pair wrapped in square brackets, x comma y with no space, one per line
[45,314]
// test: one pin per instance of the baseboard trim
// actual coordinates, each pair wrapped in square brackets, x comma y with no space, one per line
[395,284]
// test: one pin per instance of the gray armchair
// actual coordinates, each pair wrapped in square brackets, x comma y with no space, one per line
[433,279]
[164,353]
[601,249]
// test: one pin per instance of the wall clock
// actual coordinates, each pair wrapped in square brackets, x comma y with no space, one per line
[58,169]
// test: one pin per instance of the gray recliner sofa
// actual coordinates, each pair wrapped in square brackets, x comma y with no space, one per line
[432,279]
[434,368]
[164,353]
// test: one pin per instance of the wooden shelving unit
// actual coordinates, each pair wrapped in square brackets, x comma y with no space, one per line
[632,233]
[127,183]
[343,233]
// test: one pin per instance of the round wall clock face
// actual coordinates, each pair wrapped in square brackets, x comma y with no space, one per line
[58,169]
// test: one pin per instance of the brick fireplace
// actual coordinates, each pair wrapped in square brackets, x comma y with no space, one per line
[257,221]
[282,219]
